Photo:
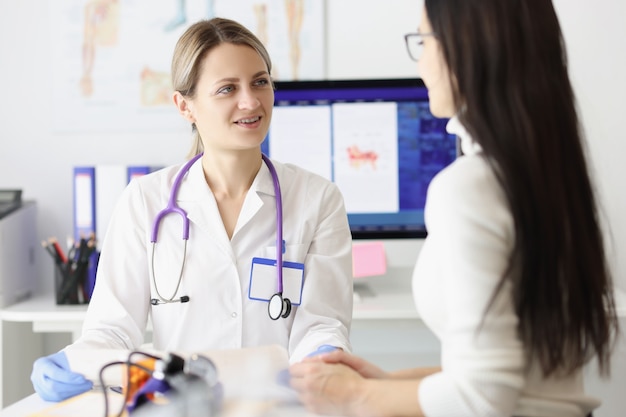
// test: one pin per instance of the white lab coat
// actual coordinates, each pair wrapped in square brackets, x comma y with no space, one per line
[216,274]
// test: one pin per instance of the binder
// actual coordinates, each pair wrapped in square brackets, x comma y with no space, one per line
[84,202]
[110,183]
[96,191]
[135,171]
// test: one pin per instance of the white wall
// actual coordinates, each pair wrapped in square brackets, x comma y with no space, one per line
[364,40]
[596,37]
[40,161]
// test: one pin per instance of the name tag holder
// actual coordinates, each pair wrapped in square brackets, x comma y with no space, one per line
[264,280]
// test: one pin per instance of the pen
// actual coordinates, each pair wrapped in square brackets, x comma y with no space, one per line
[73,285]
[58,250]
[53,252]
[48,249]
[77,269]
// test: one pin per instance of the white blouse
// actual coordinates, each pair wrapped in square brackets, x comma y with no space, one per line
[470,236]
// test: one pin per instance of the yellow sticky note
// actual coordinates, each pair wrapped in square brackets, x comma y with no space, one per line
[368,259]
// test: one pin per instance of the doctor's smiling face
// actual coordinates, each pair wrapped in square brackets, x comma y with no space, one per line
[221,74]
[233,100]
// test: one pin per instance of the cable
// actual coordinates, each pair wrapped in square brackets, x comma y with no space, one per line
[126,391]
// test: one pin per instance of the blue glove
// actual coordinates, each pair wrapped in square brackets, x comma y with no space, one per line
[322,349]
[53,380]
[283,376]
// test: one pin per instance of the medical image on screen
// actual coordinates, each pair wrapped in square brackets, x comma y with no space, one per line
[376,139]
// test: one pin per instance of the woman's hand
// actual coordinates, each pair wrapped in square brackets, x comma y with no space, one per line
[328,387]
[360,365]
[339,383]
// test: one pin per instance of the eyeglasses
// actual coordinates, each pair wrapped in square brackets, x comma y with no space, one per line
[415,44]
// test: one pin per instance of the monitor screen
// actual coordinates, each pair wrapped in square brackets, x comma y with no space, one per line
[376,139]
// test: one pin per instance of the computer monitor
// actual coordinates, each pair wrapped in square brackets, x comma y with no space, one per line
[376,139]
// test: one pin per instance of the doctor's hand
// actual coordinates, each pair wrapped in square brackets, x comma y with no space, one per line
[283,376]
[53,380]
[322,349]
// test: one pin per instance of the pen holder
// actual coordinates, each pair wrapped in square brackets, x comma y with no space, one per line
[74,282]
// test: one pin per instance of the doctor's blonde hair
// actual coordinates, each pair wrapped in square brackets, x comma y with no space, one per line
[197,41]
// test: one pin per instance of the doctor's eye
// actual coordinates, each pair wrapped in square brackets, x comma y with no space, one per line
[262,82]
[226,89]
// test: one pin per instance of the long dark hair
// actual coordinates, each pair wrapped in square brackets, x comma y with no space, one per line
[510,79]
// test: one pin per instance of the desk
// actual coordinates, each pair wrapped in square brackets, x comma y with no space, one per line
[46,316]
[33,403]
[247,390]
[24,407]
[386,327]
[43,316]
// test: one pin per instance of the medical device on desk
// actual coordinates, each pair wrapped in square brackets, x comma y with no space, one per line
[168,385]
[278,306]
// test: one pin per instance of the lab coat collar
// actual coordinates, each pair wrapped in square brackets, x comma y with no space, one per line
[195,197]
[468,145]
[262,184]
[195,188]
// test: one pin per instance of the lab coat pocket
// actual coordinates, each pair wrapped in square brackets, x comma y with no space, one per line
[293,253]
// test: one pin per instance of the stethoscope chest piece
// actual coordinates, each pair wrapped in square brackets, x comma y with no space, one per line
[279,307]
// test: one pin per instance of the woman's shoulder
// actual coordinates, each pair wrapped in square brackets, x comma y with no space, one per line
[468,190]
[469,176]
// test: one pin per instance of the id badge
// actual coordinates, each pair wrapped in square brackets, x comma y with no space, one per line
[264,280]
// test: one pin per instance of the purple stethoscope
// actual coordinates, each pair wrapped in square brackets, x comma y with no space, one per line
[277,306]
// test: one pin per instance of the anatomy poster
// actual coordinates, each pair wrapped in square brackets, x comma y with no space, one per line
[111,58]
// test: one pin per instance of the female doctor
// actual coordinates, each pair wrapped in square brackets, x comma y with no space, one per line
[218,287]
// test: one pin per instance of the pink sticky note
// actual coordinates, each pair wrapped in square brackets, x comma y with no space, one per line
[368,259]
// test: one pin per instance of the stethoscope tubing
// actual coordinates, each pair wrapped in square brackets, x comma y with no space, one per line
[172,207]
[279,222]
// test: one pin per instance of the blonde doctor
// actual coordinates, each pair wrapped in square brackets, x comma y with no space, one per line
[219,288]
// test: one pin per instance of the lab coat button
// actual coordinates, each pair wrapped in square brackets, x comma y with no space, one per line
[233,314]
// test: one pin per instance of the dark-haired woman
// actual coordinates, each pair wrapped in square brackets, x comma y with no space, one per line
[512,277]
